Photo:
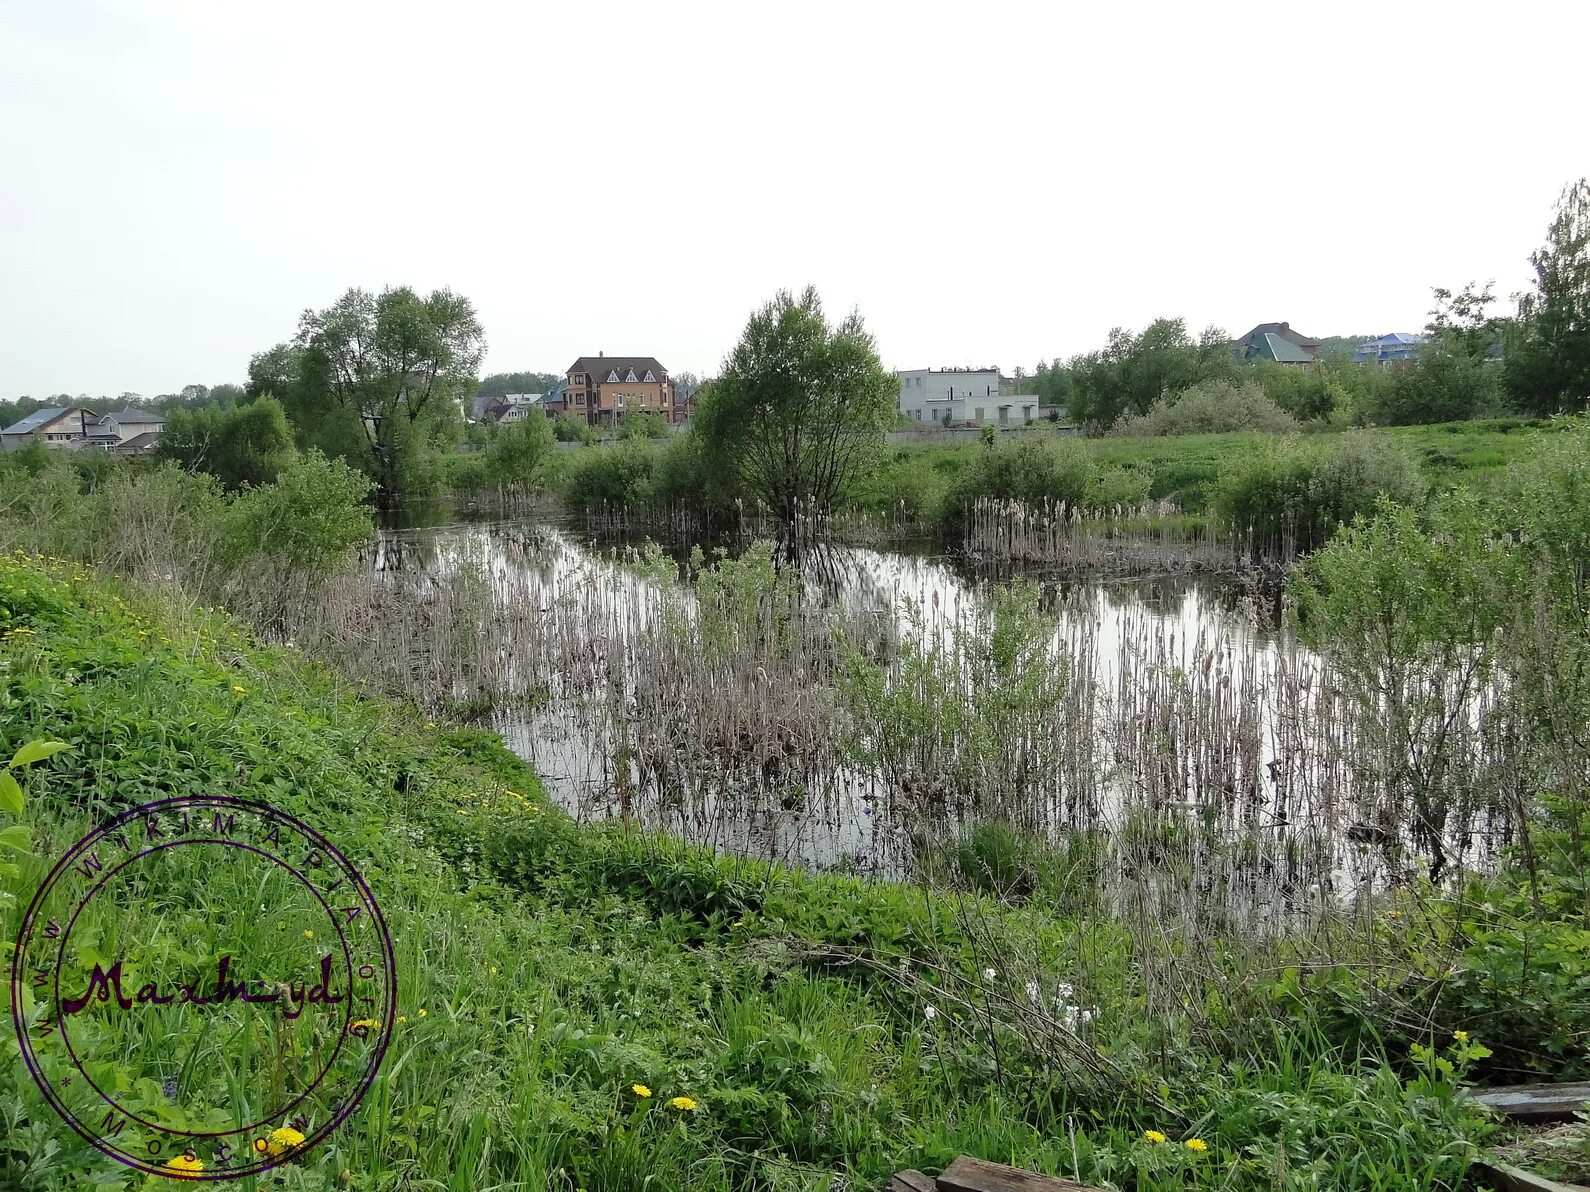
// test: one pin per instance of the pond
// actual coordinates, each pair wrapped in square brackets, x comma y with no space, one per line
[1171,709]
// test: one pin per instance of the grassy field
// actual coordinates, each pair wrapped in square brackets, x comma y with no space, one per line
[1187,468]
[561,986]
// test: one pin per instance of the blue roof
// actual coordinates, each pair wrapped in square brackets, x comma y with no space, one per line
[35,420]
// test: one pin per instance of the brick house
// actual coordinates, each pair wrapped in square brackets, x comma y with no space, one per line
[604,388]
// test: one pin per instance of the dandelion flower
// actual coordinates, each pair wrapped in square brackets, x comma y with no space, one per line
[309,935]
[284,1140]
[402,1018]
[1197,1145]
[640,1090]
[184,1163]
[681,1103]
[239,690]
[369,1024]
[1461,1036]
[1154,1136]
[493,970]
[422,1011]
[929,1013]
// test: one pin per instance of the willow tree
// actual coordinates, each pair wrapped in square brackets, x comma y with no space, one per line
[800,408]
[390,372]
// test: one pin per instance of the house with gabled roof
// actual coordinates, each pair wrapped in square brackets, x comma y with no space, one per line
[54,426]
[603,388]
[1276,342]
[1388,349]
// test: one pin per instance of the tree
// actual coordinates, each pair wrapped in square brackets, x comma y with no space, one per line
[1548,368]
[1133,372]
[500,384]
[800,407]
[246,445]
[394,368]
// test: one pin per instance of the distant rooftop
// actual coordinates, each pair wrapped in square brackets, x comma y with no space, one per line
[36,419]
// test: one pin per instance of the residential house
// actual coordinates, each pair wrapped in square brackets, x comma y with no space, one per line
[115,429]
[956,396]
[1389,349]
[556,399]
[54,427]
[603,388]
[1277,342]
[139,444]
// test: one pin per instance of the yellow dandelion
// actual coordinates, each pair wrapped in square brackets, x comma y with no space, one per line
[493,970]
[284,1140]
[369,1024]
[640,1090]
[402,1018]
[239,690]
[309,935]
[1154,1136]
[1197,1145]
[184,1163]
[1461,1036]
[422,1011]
[682,1103]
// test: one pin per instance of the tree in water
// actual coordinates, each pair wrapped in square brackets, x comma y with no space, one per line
[379,378]
[799,411]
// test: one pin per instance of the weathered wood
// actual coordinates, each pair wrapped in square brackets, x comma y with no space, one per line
[1535,1102]
[967,1174]
[1504,1177]
[909,1181]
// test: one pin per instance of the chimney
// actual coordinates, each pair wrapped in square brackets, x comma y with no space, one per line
[600,354]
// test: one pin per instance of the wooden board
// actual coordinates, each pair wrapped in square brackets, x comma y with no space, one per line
[1535,1102]
[1507,1178]
[909,1181]
[967,1174]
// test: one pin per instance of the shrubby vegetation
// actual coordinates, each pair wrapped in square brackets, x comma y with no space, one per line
[1210,407]
[1289,497]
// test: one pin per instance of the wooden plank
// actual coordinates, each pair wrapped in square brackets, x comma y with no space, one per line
[967,1174]
[1535,1102]
[1504,1177]
[909,1181]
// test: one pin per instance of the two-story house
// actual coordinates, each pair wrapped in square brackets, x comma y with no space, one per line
[952,396]
[603,388]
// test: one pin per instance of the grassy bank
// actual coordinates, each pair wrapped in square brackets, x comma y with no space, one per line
[819,1026]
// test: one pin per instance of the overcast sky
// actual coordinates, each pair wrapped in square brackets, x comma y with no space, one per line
[988,182]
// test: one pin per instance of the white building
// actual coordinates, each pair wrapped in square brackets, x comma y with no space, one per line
[955,396]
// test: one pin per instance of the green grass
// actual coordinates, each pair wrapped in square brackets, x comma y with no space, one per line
[1186,468]
[546,968]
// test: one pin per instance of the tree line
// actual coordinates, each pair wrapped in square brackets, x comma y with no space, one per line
[1474,363]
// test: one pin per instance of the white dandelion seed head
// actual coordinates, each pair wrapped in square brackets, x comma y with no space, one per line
[929,1013]
[989,974]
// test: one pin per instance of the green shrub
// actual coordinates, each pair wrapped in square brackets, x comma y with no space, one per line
[1294,495]
[1210,407]
[613,477]
[1034,471]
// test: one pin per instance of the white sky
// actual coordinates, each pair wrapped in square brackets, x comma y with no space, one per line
[989,182]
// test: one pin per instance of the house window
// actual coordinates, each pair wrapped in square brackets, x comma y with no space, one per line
[979,413]
[650,379]
[631,378]
[612,374]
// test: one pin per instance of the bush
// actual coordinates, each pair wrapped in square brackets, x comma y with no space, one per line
[616,477]
[1210,407]
[1295,495]
[566,428]
[516,454]
[1033,471]
[643,426]
[1442,386]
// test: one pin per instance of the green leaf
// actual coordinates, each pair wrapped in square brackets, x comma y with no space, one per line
[37,751]
[10,794]
[14,837]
